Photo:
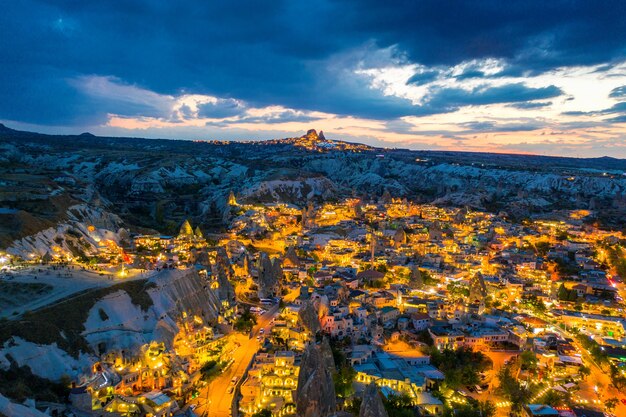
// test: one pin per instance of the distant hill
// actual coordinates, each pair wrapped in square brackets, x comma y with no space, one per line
[156,183]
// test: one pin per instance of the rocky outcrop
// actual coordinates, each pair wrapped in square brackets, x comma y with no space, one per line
[477,288]
[224,273]
[291,258]
[270,276]
[79,235]
[174,295]
[309,317]
[315,396]
[327,355]
[372,405]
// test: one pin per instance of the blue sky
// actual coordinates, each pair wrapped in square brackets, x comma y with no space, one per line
[521,76]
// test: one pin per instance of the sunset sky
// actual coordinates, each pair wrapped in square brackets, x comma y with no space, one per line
[545,77]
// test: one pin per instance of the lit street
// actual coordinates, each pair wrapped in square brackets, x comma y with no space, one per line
[215,400]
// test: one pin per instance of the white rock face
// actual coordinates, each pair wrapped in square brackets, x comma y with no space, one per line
[128,327]
[11,409]
[73,235]
[115,323]
[290,190]
[46,361]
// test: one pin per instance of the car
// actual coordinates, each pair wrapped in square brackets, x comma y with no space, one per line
[235,379]
[231,389]
[471,389]
[623,401]
[262,331]
[478,389]
[463,393]
[258,338]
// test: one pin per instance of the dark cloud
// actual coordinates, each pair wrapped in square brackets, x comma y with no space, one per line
[531,105]
[221,109]
[425,77]
[451,98]
[619,92]
[618,119]
[475,127]
[281,118]
[279,52]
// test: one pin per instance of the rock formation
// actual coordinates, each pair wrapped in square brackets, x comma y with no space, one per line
[270,275]
[185,229]
[399,237]
[309,317]
[315,396]
[291,258]
[311,134]
[224,272]
[372,405]
[416,279]
[477,288]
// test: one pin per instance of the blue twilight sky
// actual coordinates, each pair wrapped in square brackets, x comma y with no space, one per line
[543,77]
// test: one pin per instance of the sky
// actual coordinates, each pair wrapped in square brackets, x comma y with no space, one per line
[541,77]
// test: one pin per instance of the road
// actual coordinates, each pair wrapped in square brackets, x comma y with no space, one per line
[214,399]
[600,379]
[597,378]
[498,358]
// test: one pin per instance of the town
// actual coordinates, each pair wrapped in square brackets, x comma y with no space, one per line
[446,311]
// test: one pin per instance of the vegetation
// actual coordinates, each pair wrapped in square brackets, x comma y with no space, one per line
[211,369]
[611,403]
[67,317]
[263,413]
[19,384]
[528,360]
[245,322]
[354,406]
[552,398]
[473,409]
[535,304]
[461,366]
[512,390]
[567,295]
[458,290]
[593,347]
[343,380]
[399,405]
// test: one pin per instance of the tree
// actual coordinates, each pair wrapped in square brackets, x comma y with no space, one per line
[611,403]
[343,380]
[584,371]
[399,405]
[245,322]
[512,390]
[487,408]
[460,366]
[263,413]
[552,398]
[529,360]
[210,370]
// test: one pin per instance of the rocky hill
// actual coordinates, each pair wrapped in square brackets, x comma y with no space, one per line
[155,184]
[64,338]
